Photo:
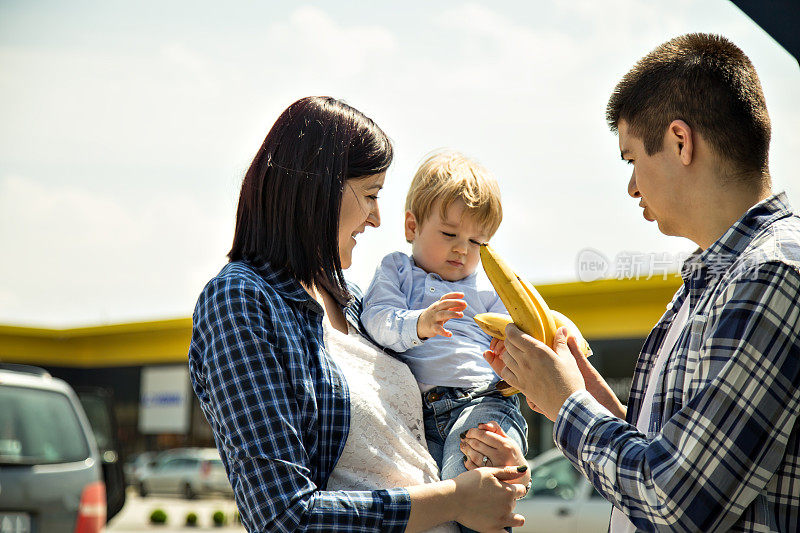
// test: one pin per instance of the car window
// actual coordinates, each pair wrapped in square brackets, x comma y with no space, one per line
[170,464]
[97,412]
[556,477]
[39,427]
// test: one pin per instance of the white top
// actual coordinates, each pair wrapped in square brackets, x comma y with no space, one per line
[386,446]
[619,522]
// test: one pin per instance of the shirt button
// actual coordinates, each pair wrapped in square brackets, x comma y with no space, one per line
[433,289]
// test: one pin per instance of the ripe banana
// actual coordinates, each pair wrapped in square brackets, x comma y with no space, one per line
[494,324]
[513,293]
[527,308]
[544,312]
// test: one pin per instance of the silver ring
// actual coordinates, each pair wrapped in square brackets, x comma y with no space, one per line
[485,460]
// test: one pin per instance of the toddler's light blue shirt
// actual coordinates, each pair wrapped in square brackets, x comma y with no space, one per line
[400,292]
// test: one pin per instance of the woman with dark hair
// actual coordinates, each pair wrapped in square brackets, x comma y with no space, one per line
[285,376]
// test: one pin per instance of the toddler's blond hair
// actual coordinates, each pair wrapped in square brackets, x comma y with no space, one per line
[449,176]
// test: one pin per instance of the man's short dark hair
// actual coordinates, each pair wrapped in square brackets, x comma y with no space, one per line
[288,212]
[709,83]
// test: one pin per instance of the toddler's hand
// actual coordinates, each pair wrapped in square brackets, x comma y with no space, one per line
[431,321]
[492,355]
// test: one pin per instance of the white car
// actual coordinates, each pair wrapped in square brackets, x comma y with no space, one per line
[136,465]
[186,471]
[561,499]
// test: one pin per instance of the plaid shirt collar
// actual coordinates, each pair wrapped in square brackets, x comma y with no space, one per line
[289,288]
[725,250]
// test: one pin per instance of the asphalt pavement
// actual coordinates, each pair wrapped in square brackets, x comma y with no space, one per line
[135,515]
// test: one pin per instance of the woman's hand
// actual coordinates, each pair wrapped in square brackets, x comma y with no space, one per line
[431,322]
[487,497]
[490,441]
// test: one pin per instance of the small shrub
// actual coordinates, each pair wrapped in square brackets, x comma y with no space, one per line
[191,520]
[158,517]
[218,518]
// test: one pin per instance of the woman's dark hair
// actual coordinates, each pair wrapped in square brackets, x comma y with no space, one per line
[288,210]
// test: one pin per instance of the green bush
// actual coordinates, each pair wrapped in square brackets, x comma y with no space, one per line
[158,517]
[191,520]
[218,518]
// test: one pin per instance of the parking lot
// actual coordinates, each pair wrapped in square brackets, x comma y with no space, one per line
[135,515]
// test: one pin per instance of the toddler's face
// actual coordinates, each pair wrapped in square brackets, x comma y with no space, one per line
[449,247]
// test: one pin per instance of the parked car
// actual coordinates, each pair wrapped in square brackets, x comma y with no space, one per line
[98,406]
[51,472]
[136,465]
[186,471]
[561,499]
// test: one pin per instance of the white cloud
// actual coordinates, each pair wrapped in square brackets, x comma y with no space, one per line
[77,256]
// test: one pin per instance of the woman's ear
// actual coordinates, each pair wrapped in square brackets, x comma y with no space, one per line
[679,137]
[411,226]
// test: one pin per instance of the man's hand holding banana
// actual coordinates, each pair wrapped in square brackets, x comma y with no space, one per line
[521,352]
[547,377]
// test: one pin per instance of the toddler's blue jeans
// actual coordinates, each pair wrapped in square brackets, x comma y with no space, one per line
[449,411]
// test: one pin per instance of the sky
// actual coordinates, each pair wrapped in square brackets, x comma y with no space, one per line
[126,129]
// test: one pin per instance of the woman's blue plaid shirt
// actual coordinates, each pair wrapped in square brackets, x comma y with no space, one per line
[278,405]
[722,451]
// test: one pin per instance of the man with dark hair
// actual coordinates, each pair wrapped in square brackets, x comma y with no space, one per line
[709,440]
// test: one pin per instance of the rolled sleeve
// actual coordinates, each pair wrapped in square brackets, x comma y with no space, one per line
[386,315]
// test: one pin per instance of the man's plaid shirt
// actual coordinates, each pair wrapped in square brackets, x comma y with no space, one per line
[722,451]
[278,405]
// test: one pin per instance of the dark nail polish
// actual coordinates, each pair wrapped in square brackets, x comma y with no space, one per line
[522,468]
[464,459]
[463,435]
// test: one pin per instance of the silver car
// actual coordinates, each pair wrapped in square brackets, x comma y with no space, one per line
[186,471]
[136,465]
[51,476]
[561,499]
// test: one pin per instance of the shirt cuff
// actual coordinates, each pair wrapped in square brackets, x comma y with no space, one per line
[579,413]
[396,509]
[408,330]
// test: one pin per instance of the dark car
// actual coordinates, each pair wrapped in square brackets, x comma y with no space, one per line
[51,470]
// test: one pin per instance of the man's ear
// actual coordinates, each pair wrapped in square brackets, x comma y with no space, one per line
[680,140]
[411,226]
